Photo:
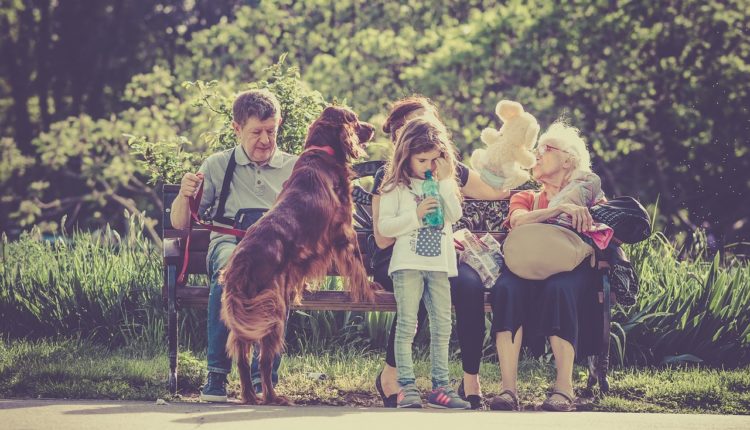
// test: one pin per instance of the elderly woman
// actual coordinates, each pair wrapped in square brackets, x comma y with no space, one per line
[559,306]
[467,291]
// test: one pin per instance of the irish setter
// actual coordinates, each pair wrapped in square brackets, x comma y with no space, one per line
[308,229]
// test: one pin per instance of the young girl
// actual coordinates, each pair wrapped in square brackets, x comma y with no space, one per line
[423,257]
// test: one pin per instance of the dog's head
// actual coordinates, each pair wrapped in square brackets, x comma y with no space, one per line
[339,128]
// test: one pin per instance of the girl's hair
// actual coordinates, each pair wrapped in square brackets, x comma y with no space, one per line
[402,108]
[420,135]
[568,139]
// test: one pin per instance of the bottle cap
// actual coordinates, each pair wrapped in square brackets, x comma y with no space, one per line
[428,174]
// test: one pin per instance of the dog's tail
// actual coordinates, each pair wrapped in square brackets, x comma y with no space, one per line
[251,319]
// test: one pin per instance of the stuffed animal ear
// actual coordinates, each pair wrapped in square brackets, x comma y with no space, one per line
[508,109]
[532,131]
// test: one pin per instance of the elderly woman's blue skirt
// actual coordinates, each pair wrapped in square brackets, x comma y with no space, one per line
[564,305]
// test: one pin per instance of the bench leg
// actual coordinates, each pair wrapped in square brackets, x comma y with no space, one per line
[599,364]
[603,365]
[171,276]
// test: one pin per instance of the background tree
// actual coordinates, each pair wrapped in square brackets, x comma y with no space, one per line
[659,91]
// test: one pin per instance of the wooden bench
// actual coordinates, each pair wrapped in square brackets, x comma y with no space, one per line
[480,217]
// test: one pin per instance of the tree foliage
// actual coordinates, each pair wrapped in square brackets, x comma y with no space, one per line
[658,90]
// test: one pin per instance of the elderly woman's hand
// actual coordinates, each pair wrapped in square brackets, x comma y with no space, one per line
[581,218]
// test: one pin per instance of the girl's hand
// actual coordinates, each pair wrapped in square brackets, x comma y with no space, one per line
[427,205]
[442,169]
[581,218]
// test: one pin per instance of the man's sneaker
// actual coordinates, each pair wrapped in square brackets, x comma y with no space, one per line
[446,398]
[215,388]
[408,397]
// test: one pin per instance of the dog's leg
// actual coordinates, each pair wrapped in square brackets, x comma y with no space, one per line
[348,261]
[270,345]
[245,352]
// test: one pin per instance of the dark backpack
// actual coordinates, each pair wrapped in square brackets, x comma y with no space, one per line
[627,217]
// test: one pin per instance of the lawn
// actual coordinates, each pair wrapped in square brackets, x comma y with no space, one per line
[83,370]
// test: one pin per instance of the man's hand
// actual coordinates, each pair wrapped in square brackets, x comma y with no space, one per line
[580,216]
[190,183]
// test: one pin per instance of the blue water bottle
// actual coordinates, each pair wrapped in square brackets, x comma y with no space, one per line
[430,189]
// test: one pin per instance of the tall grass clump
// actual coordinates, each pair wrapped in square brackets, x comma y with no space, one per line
[695,310]
[101,286]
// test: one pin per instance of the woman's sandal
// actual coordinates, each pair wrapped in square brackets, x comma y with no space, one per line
[388,401]
[474,399]
[552,405]
[505,401]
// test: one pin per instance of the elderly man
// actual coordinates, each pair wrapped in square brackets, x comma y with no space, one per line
[239,184]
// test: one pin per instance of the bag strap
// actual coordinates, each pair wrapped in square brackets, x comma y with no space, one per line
[228,175]
[194,218]
[535,206]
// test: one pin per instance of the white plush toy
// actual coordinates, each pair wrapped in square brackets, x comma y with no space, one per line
[508,149]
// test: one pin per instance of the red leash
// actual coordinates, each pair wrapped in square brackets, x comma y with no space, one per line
[194,218]
[194,205]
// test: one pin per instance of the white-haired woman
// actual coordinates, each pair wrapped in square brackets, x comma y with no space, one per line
[559,307]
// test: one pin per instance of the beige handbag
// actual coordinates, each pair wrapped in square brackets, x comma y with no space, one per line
[537,251]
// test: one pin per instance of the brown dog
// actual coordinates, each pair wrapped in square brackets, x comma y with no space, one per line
[308,228]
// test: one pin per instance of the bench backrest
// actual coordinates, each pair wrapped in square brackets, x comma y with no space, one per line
[480,216]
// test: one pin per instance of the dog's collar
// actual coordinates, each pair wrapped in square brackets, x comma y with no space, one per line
[327,149]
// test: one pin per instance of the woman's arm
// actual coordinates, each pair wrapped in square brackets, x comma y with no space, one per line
[476,188]
[380,240]
[524,216]
[580,216]
[452,210]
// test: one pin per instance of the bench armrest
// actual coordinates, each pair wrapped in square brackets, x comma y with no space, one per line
[172,250]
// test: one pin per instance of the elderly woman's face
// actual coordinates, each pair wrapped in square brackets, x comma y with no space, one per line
[550,159]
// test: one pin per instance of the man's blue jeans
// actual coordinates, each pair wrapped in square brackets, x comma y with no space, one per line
[218,361]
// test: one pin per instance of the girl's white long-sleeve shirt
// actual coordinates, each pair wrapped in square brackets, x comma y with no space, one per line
[418,247]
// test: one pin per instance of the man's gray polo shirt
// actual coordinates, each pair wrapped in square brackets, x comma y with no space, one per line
[252,186]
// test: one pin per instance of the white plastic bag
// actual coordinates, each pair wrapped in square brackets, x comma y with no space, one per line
[483,255]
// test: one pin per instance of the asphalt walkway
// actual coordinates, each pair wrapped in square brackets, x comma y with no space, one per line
[113,415]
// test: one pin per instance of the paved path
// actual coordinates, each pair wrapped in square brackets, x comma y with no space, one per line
[112,415]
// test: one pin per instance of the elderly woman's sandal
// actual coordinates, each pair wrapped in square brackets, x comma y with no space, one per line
[567,403]
[505,401]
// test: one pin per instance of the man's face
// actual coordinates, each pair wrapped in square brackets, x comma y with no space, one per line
[258,138]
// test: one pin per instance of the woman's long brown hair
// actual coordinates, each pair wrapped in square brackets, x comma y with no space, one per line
[400,109]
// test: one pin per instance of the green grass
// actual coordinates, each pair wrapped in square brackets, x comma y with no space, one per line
[80,369]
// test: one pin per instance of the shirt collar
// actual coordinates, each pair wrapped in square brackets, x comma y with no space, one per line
[275,162]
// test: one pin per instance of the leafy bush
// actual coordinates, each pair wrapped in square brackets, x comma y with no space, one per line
[168,160]
[100,286]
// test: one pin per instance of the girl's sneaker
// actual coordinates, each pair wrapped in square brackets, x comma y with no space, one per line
[446,398]
[409,397]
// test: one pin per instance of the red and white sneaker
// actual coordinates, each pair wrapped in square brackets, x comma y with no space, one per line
[446,398]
